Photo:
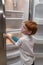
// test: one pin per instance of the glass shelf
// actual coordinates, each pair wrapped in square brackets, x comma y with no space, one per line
[38,55]
[14,11]
[10,30]
[13,54]
[14,18]
[14,23]
[14,14]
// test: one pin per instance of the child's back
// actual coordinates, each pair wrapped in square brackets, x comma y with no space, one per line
[26,50]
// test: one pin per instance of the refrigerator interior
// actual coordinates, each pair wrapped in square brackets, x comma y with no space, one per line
[16,11]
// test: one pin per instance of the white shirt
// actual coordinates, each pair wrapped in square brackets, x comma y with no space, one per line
[25,44]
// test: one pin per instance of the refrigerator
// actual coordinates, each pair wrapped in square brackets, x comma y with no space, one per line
[37,16]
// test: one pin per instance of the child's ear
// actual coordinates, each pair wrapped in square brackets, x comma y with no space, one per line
[29,32]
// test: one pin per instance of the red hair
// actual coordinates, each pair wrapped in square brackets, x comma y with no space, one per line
[32,26]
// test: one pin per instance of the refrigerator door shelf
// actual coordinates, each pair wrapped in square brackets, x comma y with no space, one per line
[39,39]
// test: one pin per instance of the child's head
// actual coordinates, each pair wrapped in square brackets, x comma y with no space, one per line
[29,27]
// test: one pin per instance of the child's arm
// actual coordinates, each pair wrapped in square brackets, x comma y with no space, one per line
[17,44]
[7,36]
[13,42]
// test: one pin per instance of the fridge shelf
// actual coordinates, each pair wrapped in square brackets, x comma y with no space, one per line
[13,30]
[14,23]
[13,54]
[38,55]
[14,18]
[14,14]
[11,46]
[14,11]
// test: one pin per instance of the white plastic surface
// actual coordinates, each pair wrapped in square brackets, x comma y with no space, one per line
[39,39]
[38,11]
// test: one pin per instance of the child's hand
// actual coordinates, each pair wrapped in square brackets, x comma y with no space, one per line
[5,35]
